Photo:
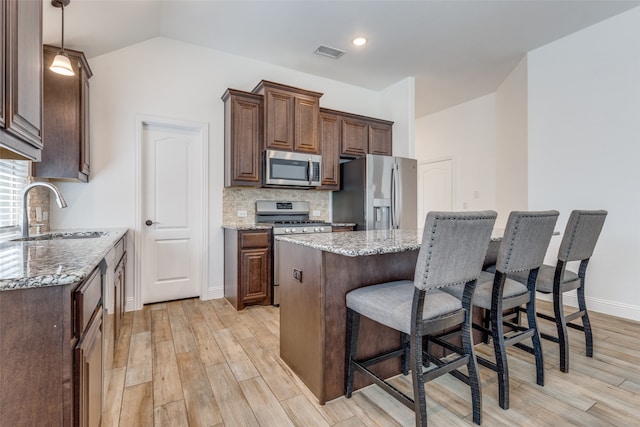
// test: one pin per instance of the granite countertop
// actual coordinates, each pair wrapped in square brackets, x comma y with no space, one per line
[362,243]
[53,262]
[359,243]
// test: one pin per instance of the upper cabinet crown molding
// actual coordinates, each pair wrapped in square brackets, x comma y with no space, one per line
[21,79]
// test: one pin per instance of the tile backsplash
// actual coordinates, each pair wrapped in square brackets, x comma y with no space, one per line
[38,206]
[244,199]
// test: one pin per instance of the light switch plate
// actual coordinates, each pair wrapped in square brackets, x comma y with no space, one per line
[242,214]
[316,213]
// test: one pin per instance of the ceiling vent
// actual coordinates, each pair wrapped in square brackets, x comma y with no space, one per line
[329,51]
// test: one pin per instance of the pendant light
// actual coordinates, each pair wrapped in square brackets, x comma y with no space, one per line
[61,63]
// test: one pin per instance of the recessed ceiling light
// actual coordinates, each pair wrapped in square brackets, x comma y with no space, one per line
[359,41]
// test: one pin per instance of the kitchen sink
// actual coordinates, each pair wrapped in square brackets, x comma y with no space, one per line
[62,236]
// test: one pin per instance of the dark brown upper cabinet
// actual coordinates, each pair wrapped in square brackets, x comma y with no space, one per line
[365,135]
[291,117]
[380,138]
[65,131]
[242,138]
[330,146]
[280,117]
[21,79]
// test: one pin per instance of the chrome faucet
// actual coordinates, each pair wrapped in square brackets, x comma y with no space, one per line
[25,212]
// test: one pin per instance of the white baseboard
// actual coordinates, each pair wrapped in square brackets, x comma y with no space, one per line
[613,308]
[214,293]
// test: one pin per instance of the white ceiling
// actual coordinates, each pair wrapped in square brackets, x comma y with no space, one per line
[457,50]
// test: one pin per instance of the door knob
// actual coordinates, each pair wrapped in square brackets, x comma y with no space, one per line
[149,222]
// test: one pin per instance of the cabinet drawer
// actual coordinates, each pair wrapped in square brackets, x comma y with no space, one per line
[250,239]
[87,297]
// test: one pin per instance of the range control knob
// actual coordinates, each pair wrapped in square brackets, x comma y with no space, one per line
[318,229]
[287,230]
[305,230]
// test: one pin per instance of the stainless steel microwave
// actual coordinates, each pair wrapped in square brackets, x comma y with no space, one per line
[284,168]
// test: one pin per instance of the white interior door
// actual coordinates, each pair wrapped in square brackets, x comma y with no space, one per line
[435,187]
[171,209]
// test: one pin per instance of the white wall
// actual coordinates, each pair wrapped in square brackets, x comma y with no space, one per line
[466,133]
[511,143]
[165,78]
[584,147]
[566,136]
[398,104]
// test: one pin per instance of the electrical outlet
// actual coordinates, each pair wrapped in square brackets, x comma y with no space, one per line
[316,213]
[297,275]
[242,214]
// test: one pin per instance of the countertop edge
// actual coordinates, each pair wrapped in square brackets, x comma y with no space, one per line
[365,243]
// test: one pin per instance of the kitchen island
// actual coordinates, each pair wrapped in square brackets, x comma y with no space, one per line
[316,272]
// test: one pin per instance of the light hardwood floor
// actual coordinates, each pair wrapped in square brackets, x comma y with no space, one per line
[201,363]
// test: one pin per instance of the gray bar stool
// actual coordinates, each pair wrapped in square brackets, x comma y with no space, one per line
[579,240]
[523,247]
[453,248]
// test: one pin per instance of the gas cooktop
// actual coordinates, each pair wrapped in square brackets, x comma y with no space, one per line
[289,217]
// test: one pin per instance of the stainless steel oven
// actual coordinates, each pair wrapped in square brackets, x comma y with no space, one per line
[286,218]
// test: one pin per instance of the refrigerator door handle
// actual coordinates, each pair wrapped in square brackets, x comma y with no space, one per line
[394,197]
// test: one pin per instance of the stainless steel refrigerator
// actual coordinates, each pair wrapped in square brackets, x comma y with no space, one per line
[377,193]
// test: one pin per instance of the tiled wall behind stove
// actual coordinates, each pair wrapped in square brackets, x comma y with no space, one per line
[244,199]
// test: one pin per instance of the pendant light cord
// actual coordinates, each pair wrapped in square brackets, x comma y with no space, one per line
[62,5]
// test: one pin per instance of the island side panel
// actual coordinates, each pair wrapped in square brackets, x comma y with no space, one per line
[301,313]
[343,274]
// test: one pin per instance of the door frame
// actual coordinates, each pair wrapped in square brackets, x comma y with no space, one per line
[202,130]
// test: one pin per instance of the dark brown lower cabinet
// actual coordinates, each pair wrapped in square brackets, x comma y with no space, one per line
[51,354]
[342,228]
[247,267]
[89,374]
[114,267]
[119,297]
